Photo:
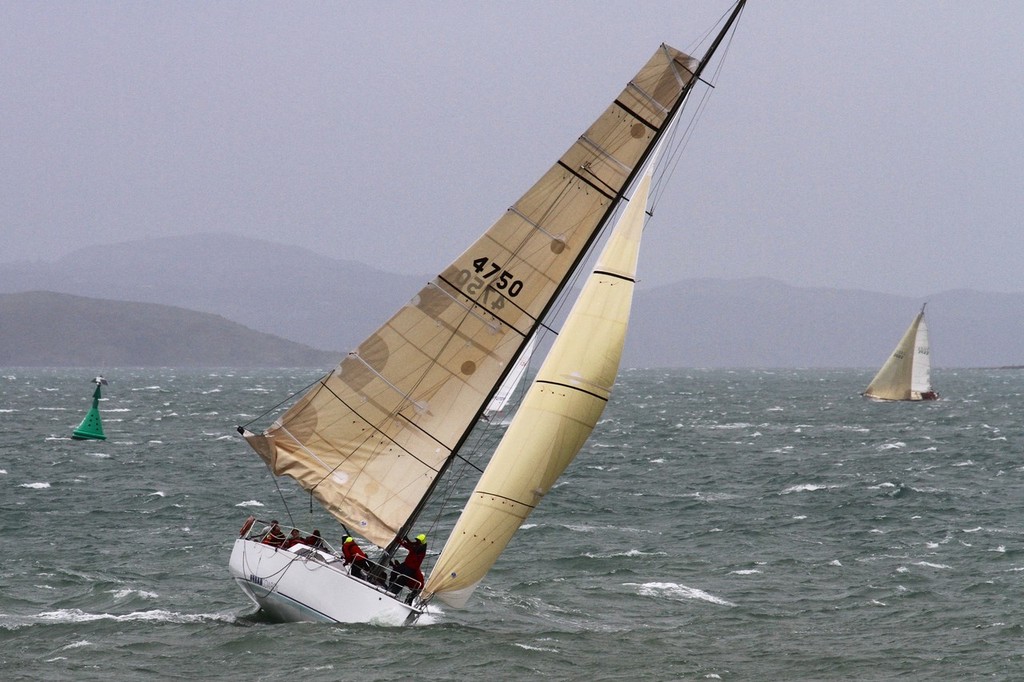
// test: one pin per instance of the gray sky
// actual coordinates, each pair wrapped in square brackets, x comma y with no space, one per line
[860,144]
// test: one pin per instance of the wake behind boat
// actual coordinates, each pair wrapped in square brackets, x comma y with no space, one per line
[388,430]
[906,375]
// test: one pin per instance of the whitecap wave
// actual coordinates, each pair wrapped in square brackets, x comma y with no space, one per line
[121,594]
[158,615]
[928,564]
[529,647]
[629,553]
[805,488]
[36,486]
[676,591]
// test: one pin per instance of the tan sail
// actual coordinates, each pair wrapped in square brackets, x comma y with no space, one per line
[555,419]
[370,438]
[906,374]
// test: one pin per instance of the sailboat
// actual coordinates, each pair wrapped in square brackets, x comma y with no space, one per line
[91,427]
[906,375]
[497,408]
[379,439]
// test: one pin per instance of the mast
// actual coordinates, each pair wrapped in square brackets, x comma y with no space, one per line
[609,212]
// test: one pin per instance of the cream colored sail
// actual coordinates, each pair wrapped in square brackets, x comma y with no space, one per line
[370,438]
[555,418]
[920,375]
[905,375]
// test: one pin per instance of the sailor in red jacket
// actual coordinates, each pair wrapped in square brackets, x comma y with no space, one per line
[355,556]
[408,573]
[274,536]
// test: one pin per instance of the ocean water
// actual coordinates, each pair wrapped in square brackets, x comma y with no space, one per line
[733,525]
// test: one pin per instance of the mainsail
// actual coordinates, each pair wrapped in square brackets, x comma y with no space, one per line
[906,375]
[370,438]
[555,418]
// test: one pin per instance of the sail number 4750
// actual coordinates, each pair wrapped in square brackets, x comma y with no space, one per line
[490,273]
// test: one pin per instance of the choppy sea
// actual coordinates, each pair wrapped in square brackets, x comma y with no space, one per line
[733,525]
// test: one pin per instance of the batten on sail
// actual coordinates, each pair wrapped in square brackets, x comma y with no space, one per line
[556,417]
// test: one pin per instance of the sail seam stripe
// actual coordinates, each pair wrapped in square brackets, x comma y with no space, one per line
[606,154]
[586,180]
[575,388]
[637,116]
[505,497]
[615,275]
[647,96]
[498,317]
[383,434]
[468,308]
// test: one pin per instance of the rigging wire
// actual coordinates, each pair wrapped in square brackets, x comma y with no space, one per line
[318,380]
[678,141]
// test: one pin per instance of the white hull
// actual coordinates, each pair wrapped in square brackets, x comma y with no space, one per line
[313,586]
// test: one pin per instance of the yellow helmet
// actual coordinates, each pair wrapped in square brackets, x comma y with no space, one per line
[348,538]
[422,538]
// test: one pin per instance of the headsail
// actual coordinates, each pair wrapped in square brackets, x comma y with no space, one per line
[921,373]
[556,417]
[906,375]
[369,440]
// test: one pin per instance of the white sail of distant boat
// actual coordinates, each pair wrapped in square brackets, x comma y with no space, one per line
[373,440]
[500,402]
[906,375]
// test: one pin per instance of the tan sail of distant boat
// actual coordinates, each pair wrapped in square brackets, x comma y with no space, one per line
[906,375]
[373,440]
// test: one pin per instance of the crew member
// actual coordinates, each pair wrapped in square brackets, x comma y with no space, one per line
[274,536]
[294,539]
[355,556]
[408,573]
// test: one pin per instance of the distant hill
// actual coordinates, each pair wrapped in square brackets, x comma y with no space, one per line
[299,295]
[283,290]
[764,323]
[46,329]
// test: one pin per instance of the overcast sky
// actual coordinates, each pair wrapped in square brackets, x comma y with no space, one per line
[856,144]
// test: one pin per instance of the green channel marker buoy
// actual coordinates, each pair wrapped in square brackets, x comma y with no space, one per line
[91,427]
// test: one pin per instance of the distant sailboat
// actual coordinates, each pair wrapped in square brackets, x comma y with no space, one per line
[91,427]
[373,439]
[906,375]
[500,402]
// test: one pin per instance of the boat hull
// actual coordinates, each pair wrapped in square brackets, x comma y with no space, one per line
[915,396]
[312,586]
